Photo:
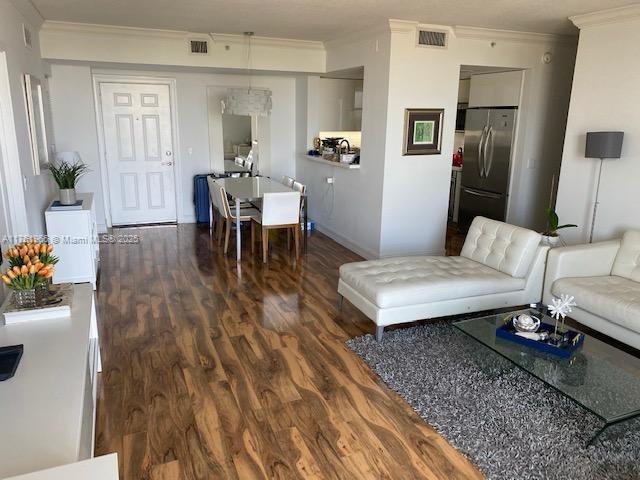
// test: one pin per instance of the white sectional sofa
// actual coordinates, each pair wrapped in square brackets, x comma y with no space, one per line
[604,278]
[500,266]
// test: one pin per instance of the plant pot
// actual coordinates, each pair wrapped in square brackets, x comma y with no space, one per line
[30,297]
[67,196]
[551,241]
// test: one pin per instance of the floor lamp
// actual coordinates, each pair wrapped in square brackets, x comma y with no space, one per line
[602,145]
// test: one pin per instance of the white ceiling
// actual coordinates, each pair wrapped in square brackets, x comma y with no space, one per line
[321,19]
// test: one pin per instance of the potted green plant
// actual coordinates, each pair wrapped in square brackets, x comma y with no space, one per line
[66,174]
[550,235]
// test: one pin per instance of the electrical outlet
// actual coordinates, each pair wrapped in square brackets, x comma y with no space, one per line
[531,163]
[329,180]
[190,150]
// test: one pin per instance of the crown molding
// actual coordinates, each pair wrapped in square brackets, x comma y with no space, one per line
[605,17]
[266,41]
[402,26]
[50,26]
[477,33]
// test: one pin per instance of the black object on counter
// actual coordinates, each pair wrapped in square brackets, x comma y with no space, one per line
[9,360]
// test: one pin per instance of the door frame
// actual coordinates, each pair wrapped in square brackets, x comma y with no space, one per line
[11,171]
[101,78]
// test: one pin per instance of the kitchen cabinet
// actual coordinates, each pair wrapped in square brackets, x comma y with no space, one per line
[496,89]
[463,90]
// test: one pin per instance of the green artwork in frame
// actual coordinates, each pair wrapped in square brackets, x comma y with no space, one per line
[423,132]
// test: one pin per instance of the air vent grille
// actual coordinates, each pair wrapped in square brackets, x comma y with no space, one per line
[432,38]
[199,46]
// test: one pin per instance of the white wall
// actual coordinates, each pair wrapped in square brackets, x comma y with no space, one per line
[74,120]
[26,207]
[75,124]
[151,47]
[336,104]
[396,204]
[605,96]
[416,188]
[349,210]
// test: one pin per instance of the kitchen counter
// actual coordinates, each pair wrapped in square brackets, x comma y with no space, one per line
[348,166]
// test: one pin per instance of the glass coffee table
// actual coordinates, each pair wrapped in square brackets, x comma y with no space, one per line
[599,377]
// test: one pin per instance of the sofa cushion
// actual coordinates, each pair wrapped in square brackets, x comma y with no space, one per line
[627,262]
[501,246]
[401,281]
[616,299]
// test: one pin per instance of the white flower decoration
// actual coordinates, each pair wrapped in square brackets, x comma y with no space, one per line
[561,307]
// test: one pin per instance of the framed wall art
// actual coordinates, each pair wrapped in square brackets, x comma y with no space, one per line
[422,131]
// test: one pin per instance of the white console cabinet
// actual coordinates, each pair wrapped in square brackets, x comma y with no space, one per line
[74,234]
[48,408]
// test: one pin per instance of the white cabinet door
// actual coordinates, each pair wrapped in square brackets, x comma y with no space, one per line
[496,89]
[139,150]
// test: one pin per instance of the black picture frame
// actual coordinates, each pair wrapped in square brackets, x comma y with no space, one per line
[423,131]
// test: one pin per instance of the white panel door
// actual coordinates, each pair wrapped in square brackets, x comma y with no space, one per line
[139,151]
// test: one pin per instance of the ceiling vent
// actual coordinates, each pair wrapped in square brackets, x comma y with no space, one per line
[432,38]
[199,47]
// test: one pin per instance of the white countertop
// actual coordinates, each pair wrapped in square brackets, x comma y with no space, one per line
[87,201]
[41,406]
[348,166]
[98,468]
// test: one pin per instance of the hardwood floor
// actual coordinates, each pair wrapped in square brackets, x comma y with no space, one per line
[213,372]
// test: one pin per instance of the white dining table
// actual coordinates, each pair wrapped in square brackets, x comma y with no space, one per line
[250,189]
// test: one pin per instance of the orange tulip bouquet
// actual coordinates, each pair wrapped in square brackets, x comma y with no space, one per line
[30,269]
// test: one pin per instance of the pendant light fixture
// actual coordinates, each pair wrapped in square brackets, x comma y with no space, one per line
[247,101]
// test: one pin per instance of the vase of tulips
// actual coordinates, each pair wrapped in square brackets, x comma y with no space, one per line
[31,265]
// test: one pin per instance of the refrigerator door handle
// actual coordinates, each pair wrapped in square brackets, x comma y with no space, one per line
[480,150]
[488,159]
[478,193]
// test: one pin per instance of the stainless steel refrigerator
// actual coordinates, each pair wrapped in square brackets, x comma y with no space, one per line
[488,140]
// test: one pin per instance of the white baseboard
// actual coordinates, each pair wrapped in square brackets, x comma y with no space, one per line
[188,218]
[345,242]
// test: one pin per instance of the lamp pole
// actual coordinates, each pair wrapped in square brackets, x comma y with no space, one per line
[596,203]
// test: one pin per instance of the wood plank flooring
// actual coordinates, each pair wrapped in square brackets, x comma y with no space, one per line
[210,372]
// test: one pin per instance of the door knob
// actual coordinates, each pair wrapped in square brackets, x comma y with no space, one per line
[168,153]
[168,164]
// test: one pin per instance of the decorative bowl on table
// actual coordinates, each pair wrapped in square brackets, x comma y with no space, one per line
[526,323]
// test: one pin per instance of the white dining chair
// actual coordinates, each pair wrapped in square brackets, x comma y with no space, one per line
[287,181]
[214,211]
[227,215]
[279,210]
[300,187]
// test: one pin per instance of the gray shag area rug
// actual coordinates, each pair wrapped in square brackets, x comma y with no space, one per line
[508,423]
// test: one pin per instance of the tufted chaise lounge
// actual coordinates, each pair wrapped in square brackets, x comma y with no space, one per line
[500,265]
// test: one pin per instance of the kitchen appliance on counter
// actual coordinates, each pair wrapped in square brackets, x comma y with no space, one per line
[488,142]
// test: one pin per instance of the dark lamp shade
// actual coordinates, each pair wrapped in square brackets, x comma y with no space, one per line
[604,144]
